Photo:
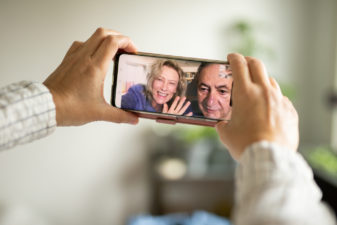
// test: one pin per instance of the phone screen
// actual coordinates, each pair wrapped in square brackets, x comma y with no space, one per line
[168,85]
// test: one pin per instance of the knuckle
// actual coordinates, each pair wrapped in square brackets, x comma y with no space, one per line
[88,61]
[90,67]
[264,94]
[100,31]
[235,55]
[76,43]
[113,41]
[246,91]
[239,61]
[253,61]
[111,38]
[127,38]
[267,93]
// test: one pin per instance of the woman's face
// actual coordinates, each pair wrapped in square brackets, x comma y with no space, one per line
[164,86]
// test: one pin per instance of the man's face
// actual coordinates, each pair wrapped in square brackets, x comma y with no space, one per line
[214,91]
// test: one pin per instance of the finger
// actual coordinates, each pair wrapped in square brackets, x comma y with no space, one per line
[189,114]
[223,131]
[221,128]
[124,42]
[257,71]
[174,104]
[275,85]
[240,71]
[96,38]
[109,47]
[181,104]
[165,108]
[73,48]
[116,115]
[181,111]
[290,105]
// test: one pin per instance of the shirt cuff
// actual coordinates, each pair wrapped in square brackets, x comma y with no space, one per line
[262,161]
[28,113]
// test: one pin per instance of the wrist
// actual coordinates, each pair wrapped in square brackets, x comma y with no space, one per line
[58,109]
[263,145]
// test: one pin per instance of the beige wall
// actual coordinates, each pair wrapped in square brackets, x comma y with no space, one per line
[76,175]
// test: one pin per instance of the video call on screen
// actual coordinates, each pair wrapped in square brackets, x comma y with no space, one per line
[174,86]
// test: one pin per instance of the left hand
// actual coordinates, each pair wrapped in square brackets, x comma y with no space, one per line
[77,84]
[178,107]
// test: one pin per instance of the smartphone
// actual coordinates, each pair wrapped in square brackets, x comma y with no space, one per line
[173,89]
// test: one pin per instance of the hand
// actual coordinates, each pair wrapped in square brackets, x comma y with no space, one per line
[260,111]
[178,107]
[77,84]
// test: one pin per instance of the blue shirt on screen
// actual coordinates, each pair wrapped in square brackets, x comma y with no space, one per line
[135,99]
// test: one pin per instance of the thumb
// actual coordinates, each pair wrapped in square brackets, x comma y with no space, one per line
[222,130]
[116,115]
[225,133]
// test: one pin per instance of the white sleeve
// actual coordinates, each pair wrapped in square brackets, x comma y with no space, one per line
[27,112]
[275,186]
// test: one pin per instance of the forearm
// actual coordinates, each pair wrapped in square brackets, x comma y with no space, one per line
[27,113]
[276,186]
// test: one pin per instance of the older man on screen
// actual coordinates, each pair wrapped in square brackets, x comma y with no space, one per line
[214,85]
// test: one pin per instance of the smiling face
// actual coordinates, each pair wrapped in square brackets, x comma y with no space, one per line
[214,90]
[164,86]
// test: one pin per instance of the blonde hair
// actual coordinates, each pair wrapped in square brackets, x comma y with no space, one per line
[155,72]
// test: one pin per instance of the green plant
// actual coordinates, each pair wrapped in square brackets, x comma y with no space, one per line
[190,135]
[323,158]
[245,41]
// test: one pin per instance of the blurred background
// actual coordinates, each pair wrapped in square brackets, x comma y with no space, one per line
[105,173]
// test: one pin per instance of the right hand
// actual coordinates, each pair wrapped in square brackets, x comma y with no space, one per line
[260,111]
[178,107]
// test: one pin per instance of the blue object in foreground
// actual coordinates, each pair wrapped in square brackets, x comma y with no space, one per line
[197,218]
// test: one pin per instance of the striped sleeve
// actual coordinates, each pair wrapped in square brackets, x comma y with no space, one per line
[275,186]
[27,113]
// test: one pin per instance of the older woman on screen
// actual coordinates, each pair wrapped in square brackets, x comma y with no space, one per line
[164,91]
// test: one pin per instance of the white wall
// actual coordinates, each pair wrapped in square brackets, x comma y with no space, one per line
[315,80]
[78,175]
